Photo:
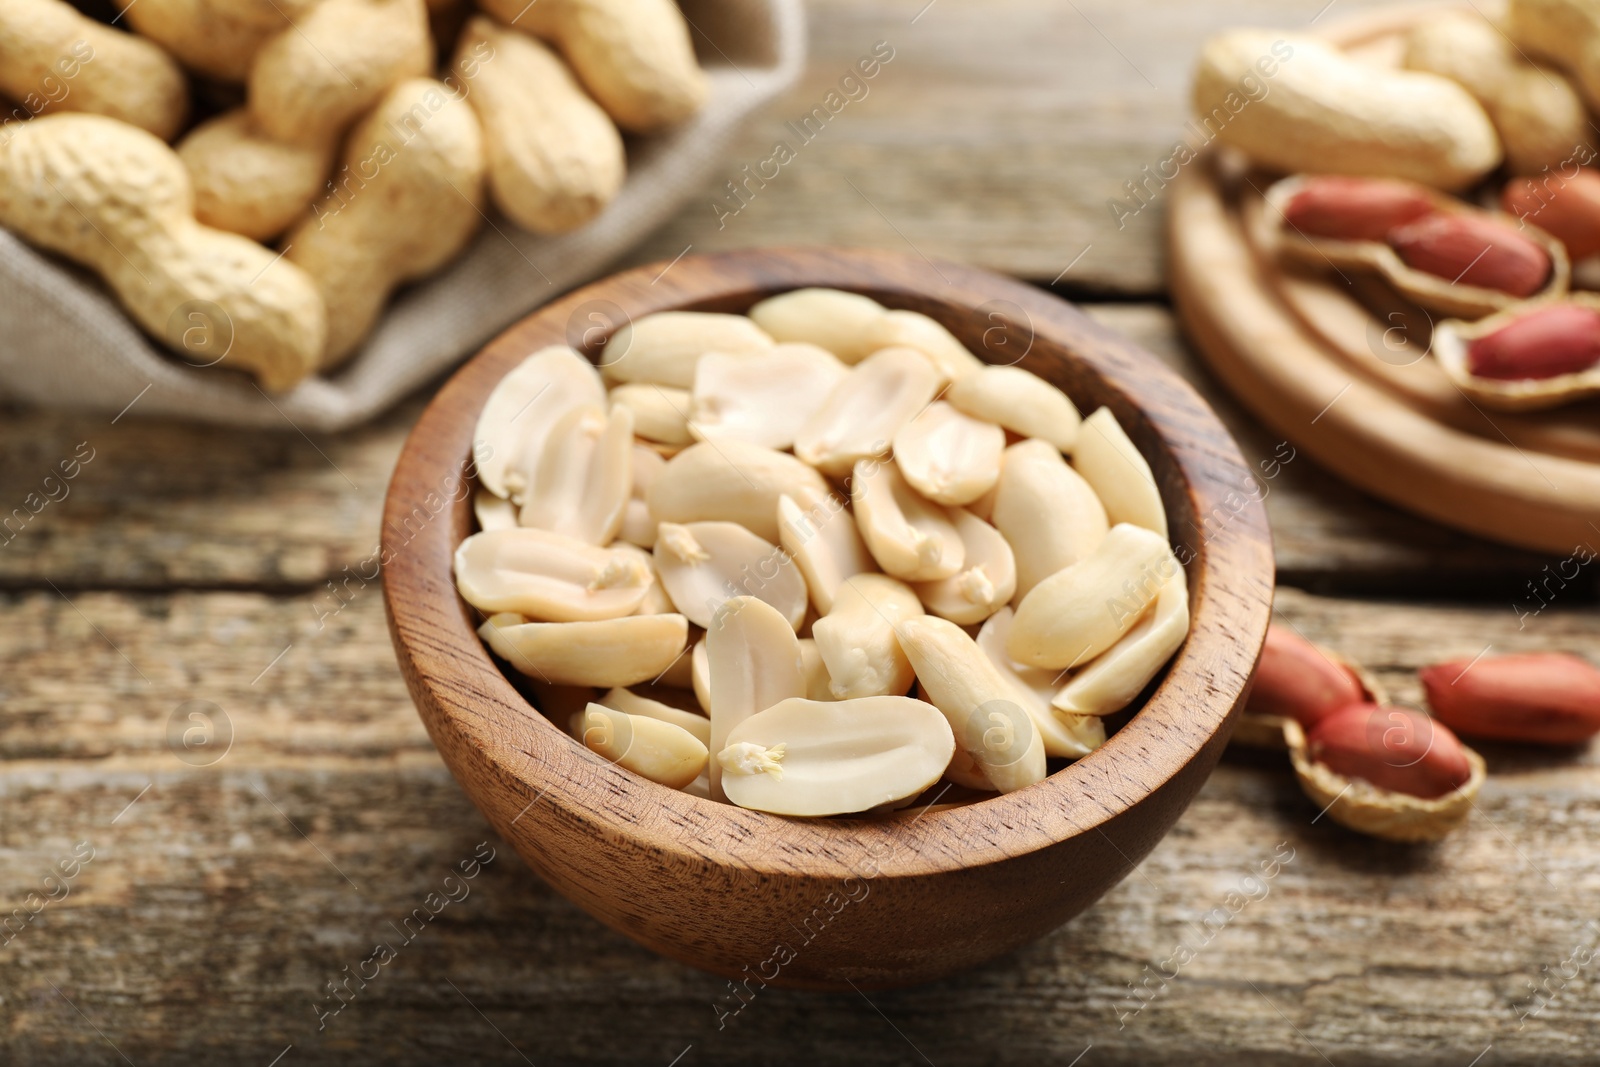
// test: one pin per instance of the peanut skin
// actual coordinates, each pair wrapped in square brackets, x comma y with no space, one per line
[1545,342]
[118,200]
[1567,208]
[1566,31]
[1537,112]
[406,202]
[316,77]
[1355,209]
[54,59]
[1297,104]
[1543,698]
[249,183]
[1296,680]
[1472,250]
[1395,749]
[205,35]
[555,158]
[634,56]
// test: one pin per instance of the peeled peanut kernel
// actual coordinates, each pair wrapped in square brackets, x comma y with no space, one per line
[664,348]
[857,641]
[520,416]
[948,457]
[983,507]
[660,412]
[652,748]
[825,544]
[703,564]
[986,581]
[656,601]
[1020,401]
[806,757]
[584,478]
[963,770]
[1297,680]
[1077,613]
[1394,749]
[626,651]
[764,399]
[828,318]
[731,481]
[1046,512]
[861,416]
[679,470]
[638,526]
[1111,681]
[910,537]
[679,674]
[912,329]
[1069,736]
[1330,112]
[1354,209]
[700,675]
[548,576]
[983,709]
[818,682]
[647,464]
[753,662]
[1118,474]
[631,703]
[1543,698]
[493,512]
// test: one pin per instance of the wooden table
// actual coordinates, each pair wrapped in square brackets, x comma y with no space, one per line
[224,893]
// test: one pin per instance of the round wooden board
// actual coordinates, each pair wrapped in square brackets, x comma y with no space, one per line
[1309,355]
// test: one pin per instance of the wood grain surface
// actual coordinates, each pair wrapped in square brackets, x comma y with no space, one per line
[1000,135]
[214,911]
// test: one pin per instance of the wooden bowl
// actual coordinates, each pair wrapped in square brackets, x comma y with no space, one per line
[875,902]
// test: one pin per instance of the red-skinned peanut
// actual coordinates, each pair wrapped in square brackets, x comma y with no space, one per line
[1297,680]
[1395,749]
[1543,698]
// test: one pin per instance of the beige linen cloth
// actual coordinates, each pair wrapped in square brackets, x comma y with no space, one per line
[65,342]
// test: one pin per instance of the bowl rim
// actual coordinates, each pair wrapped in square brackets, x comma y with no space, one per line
[471,709]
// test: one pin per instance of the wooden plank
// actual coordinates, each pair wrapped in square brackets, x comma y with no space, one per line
[111,676]
[157,505]
[217,907]
[163,505]
[998,135]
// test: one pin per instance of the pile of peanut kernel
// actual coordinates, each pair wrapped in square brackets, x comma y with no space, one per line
[817,559]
